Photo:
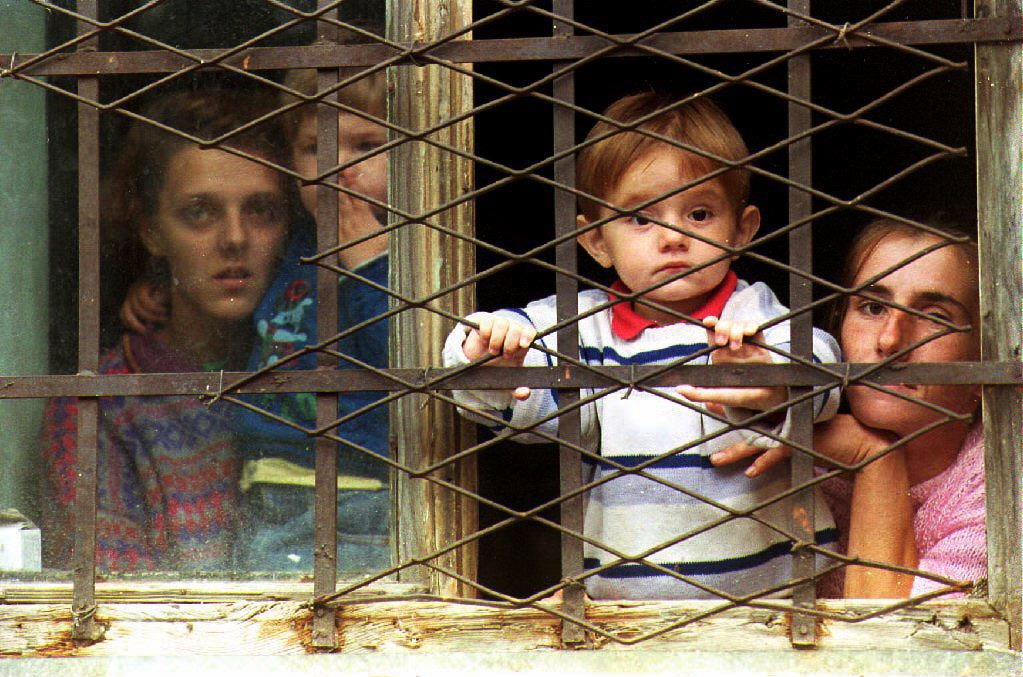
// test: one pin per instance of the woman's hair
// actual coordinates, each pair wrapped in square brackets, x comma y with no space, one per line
[204,115]
[870,236]
[131,192]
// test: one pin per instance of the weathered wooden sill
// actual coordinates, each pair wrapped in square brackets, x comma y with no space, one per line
[247,619]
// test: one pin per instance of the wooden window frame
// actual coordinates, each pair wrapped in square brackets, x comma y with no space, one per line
[417,612]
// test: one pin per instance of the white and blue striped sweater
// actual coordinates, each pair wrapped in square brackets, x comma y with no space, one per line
[639,516]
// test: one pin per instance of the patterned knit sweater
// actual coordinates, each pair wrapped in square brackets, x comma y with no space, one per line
[168,473]
[949,522]
[666,517]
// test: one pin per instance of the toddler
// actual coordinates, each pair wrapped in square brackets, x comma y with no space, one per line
[664,218]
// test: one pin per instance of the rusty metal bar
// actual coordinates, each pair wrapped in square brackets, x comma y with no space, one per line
[534,515]
[206,384]
[800,160]
[779,409]
[570,466]
[734,41]
[83,604]
[324,632]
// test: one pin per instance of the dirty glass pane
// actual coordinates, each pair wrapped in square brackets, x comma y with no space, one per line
[202,228]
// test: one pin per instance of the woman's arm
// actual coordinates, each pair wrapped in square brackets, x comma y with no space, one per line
[840,440]
[881,510]
[881,529]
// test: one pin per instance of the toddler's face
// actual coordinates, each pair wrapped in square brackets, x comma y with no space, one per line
[356,137]
[645,253]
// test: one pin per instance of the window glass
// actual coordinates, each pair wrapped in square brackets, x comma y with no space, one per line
[28,335]
[200,272]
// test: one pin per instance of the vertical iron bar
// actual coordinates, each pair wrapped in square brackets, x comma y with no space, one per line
[83,603]
[570,463]
[1000,229]
[800,296]
[325,511]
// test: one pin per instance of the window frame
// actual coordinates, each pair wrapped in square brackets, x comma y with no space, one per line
[999,186]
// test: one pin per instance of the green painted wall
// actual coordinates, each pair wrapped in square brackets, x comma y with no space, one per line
[23,254]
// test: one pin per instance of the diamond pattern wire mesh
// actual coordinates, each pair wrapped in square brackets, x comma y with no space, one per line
[651,43]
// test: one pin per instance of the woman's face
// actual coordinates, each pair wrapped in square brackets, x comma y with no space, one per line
[220,223]
[942,284]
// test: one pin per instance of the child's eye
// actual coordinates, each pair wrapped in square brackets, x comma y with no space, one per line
[639,220]
[367,147]
[699,215]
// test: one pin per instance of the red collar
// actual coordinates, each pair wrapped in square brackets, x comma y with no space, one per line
[627,324]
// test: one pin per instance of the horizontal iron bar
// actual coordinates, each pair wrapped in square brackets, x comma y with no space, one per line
[341,380]
[943,31]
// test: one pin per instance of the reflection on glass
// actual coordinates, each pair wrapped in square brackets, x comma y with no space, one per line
[24,263]
[20,547]
[201,266]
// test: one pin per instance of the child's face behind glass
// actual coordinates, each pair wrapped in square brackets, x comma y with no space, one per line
[644,253]
[356,137]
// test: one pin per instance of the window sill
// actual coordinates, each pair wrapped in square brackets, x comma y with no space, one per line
[273,620]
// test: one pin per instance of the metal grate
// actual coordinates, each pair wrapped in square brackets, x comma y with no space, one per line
[571,46]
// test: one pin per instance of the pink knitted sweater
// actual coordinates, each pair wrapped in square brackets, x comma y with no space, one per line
[949,522]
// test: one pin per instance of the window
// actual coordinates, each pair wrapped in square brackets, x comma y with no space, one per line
[849,113]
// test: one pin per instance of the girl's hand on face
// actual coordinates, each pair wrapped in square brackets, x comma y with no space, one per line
[846,441]
[146,306]
[357,219]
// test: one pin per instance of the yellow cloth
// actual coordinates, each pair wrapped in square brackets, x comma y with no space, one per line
[279,471]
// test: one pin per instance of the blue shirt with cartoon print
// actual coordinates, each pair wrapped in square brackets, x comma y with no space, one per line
[285,323]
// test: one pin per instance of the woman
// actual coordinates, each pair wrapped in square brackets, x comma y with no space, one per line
[922,504]
[215,224]
[277,499]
